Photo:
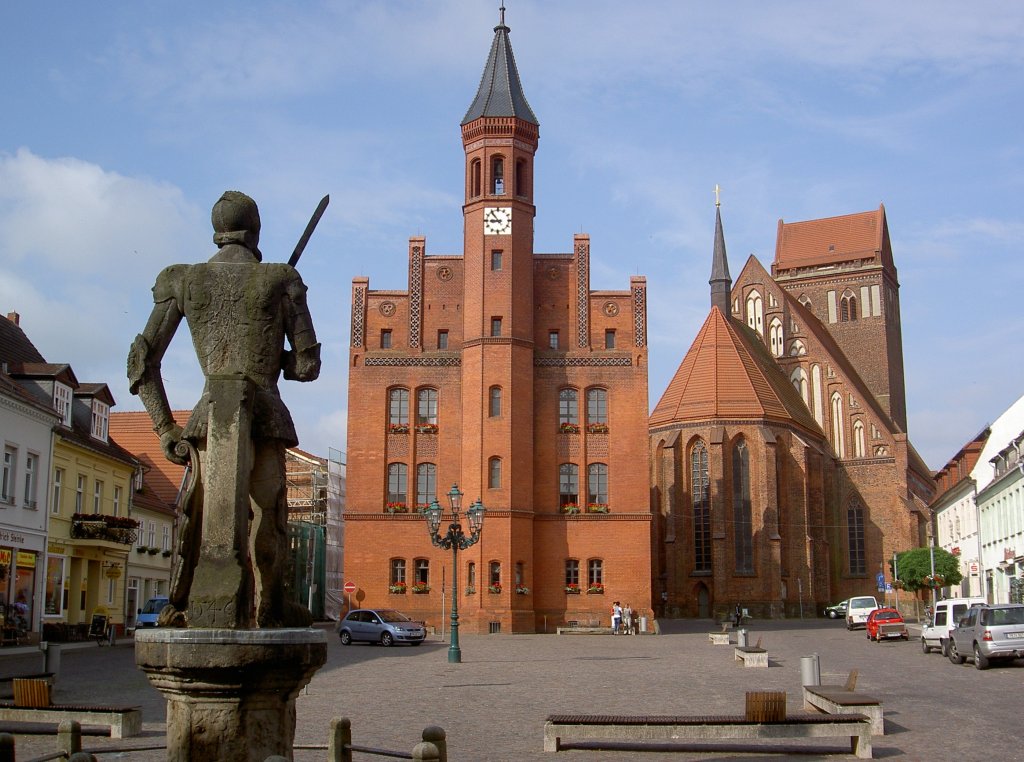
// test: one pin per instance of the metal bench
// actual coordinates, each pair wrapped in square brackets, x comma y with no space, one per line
[563,729]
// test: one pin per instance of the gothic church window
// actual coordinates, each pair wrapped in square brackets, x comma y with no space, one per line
[838,433]
[816,394]
[755,312]
[701,505]
[775,337]
[858,439]
[855,538]
[743,530]
[799,379]
[848,308]
[797,348]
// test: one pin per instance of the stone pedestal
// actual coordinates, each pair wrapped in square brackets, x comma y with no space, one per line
[230,693]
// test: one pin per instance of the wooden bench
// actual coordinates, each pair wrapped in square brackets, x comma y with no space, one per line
[122,721]
[560,729]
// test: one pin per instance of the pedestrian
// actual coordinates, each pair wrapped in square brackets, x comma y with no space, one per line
[737,615]
[627,620]
[616,617]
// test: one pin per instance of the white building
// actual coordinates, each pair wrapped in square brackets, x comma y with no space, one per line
[957,509]
[1001,508]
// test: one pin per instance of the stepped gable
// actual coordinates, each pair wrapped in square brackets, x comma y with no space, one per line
[831,240]
[728,374]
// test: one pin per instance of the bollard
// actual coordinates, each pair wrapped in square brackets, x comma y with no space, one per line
[425,751]
[436,735]
[810,670]
[339,747]
[741,638]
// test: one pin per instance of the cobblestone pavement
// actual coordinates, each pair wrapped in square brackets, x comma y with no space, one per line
[493,705]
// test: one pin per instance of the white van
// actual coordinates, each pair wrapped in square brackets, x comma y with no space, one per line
[858,610]
[935,634]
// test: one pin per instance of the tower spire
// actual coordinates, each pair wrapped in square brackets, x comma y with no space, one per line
[721,281]
[500,92]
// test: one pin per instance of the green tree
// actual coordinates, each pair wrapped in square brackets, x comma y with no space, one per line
[914,568]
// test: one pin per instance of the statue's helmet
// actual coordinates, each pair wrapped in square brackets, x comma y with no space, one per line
[236,219]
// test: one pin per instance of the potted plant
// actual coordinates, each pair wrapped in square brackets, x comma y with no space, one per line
[570,508]
[398,588]
[596,589]
[470,590]
[426,428]
[597,428]
[569,428]
[420,588]
[398,428]
[522,590]
[572,588]
[397,508]
[494,588]
[597,507]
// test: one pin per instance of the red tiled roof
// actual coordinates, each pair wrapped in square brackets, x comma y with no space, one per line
[728,373]
[135,432]
[830,240]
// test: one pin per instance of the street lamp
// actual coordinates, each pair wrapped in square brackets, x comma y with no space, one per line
[457,540]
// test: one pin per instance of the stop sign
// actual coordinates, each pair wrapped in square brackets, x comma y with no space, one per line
[350,587]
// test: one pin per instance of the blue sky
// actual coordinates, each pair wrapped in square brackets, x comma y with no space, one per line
[124,122]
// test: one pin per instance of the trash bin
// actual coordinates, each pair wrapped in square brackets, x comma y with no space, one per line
[810,670]
[51,657]
[741,638]
[643,623]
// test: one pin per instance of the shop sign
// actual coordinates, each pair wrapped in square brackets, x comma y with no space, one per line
[974,567]
[113,572]
[26,559]
[56,550]
[12,537]
[5,557]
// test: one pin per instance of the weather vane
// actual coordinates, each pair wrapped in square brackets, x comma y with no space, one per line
[502,9]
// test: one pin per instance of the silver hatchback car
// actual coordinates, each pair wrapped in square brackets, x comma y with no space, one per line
[384,626]
[988,633]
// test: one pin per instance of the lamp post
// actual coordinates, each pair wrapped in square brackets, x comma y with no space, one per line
[457,540]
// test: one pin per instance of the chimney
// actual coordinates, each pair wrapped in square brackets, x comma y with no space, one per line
[14,317]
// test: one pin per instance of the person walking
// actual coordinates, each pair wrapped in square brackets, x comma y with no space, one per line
[627,620]
[616,617]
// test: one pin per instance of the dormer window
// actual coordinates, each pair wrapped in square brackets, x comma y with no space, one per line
[62,402]
[100,419]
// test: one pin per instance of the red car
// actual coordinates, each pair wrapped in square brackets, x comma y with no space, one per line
[886,624]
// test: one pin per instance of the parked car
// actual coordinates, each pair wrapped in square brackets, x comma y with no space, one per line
[988,633]
[858,609]
[837,610]
[150,613]
[384,626]
[886,624]
[935,632]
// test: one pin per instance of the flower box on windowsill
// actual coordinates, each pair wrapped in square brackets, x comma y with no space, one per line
[570,508]
[572,589]
[522,590]
[568,428]
[396,508]
[167,554]
[420,589]
[597,428]
[154,551]
[494,589]
[426,428]
[398,428]
[595,590]
[470,591]
[597,508]
[397,589]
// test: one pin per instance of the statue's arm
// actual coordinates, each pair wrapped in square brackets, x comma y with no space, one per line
[144,358]
[302,361]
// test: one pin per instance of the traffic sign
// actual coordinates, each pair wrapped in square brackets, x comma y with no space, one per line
[350,587]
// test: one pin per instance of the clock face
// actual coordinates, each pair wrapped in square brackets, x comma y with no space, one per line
[497,220]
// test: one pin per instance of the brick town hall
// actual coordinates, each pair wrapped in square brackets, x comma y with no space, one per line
[501,370]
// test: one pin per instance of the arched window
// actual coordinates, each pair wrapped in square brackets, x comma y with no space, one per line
[743,528]
[858,439]
[701,507]
[397,571]
[398,407]
[474,178]
[597,407]
[847,307]
[426,484]
[775,337]
[498,176]
[816,394]
[494,473]
[799,379]
[595,573]
[797,348]
[494,574]
[597,484]
[568,407]
[422,571]
[838,433]
[471,576]
[568,484]
[426,406]
[755,311]
[572,573]
[521,188]
[494,402]
[397,484]
[855,537]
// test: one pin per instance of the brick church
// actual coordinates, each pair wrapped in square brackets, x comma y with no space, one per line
[782,476]
[500,370]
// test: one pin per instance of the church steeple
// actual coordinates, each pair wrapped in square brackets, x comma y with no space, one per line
[721,281]
[500,93]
